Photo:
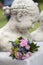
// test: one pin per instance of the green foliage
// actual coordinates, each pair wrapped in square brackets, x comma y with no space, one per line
[1,1]
[17,41]
[33,47]
[3,19]
[38,0]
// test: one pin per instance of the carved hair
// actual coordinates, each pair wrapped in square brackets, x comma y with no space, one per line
[25,7]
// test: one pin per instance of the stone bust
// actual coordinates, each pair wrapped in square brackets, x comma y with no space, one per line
[24,13]
[38,33]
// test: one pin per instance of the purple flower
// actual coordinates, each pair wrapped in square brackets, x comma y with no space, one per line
[23,42]
[28,42]
[14,45]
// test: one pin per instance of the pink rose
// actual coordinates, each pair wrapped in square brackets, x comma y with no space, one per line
[18,55]
[10,51]
[23,42]
[25,56]
[30,53]
[27,47]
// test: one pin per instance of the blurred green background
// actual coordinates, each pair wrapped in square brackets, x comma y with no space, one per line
[38,0]
[3,19]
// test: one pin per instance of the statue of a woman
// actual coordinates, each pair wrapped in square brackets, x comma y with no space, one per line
[24,13]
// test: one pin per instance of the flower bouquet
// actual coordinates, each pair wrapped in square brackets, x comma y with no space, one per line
[22,48]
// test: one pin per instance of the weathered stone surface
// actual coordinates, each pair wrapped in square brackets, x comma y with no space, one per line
[24,13]
[38,34]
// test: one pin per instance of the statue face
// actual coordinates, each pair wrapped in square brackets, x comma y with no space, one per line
[23,20]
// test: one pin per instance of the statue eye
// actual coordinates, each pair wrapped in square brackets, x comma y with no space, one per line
[20,15]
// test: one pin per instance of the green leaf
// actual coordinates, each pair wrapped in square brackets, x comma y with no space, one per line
[17,41]
[33,47]
[20,38]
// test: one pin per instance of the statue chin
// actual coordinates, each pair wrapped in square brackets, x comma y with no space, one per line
[23,14]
